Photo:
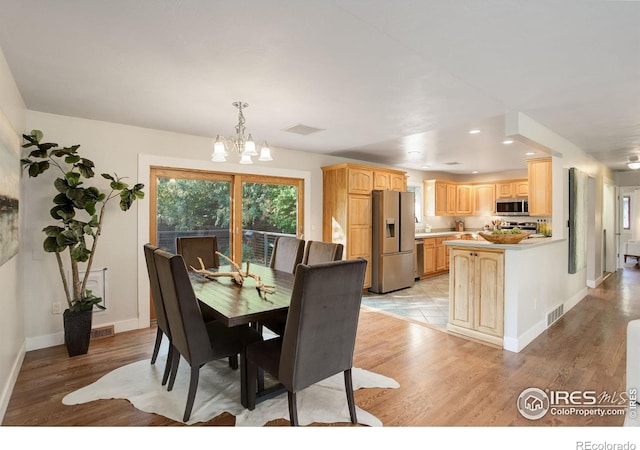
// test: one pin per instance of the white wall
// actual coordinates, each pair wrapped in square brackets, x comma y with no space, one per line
[565,155]
[628,178]
[533,287]
[12,334]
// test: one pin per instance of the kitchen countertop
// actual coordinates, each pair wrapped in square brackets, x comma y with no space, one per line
[440,233]
[522,245]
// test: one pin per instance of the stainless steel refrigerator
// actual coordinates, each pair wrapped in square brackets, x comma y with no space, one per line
[392,261]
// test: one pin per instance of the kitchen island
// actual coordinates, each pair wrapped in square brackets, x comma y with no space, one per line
[507,294]
[431,256]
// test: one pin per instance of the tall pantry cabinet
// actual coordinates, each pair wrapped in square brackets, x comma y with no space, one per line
[347,209]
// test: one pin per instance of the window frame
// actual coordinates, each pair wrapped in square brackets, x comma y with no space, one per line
[626,218]
[236,180]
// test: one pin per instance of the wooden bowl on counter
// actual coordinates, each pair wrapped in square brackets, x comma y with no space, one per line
[506,238]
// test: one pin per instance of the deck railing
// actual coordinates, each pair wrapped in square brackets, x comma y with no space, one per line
[257,246]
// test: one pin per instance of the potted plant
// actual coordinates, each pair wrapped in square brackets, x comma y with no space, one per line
[79,214]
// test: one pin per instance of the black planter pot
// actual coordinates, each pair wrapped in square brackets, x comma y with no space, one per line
[77,331]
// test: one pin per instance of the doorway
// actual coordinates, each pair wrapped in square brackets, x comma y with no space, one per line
[629,220]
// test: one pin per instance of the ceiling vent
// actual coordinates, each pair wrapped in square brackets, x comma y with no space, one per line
[452,163]
[303,130]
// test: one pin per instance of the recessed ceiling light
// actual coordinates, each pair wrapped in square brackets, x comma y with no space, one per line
[530,153]
[507,141]
[475,171]
[633,163]
[426,166]
[476,131]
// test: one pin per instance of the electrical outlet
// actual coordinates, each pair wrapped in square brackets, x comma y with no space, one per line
[56,308]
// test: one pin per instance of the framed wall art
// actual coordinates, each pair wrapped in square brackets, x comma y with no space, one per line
[9,194]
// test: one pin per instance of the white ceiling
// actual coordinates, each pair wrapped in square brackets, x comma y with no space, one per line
[381,77]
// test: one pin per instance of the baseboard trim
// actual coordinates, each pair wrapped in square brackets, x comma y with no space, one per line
[7,389]
[52,340]
[519,343]
[595,283]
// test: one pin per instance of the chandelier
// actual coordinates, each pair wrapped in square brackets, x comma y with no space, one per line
[243,146]
[633,163]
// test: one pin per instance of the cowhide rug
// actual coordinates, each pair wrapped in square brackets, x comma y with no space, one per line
[219,391]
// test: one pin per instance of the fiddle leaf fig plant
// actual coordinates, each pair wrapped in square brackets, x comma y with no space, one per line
[78,210]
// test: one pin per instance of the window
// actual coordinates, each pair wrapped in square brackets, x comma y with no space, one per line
[189,203]
[626,212]
[245,212]
[417,190]
[270,208]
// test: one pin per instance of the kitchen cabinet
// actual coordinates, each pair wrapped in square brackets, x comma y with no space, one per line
[347,207]
[441,253]
[439,198]
[540,187]
[445,198]
[484,199]
[441,194]
[452,199]
[512,189]
[360,180]
[385,180]
[464,200]
[435,256]
[476,293]
[429,254]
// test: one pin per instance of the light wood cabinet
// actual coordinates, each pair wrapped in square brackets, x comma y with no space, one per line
[347,207]
[521,188]
[484,199]
[435,256]
[476,293]
[360,181]
[429,256]
[540,187]
[512,189]
[452,199]
[380,180]
[440,205]
[439,198]
[464,200]
[447,198]
[385,180]
[441,254]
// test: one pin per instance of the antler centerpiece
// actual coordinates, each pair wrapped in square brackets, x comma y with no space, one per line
[238,275]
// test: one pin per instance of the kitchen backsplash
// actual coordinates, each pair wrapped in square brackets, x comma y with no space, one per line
[471,223]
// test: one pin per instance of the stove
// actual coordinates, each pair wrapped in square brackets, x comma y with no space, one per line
[525,226]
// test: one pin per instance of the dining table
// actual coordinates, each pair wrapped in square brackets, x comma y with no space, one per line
[240,305]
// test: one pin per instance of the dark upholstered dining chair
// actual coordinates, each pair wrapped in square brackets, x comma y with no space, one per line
[320,333]
[204,247]
[287,254]
[317,252]
[196,341]
[161,315]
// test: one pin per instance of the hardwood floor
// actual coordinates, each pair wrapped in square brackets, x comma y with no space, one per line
[444,380]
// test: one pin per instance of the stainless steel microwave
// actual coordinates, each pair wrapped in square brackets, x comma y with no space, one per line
[512,207]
